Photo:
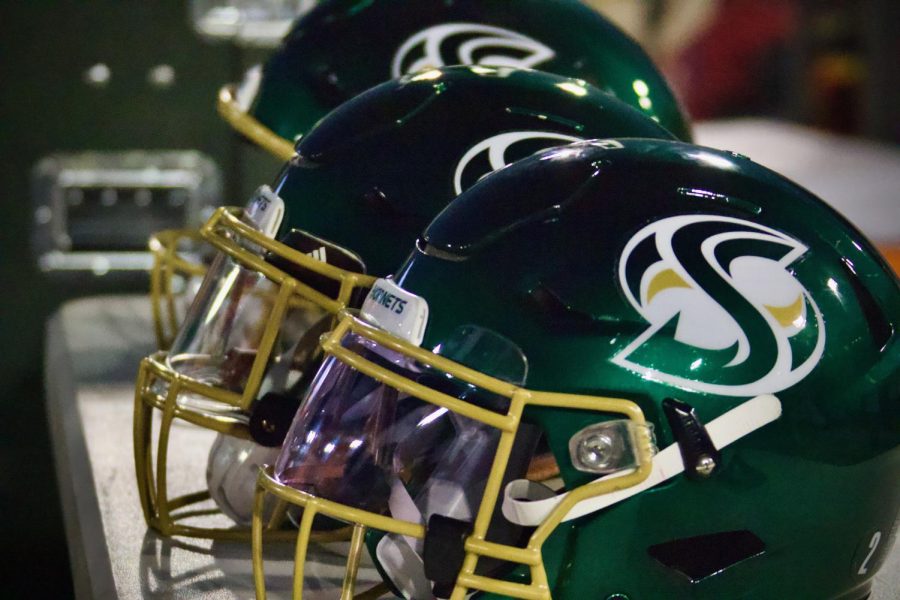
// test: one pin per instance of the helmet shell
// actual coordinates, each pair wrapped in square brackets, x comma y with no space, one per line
[575,275]
[344,47]
[374,172]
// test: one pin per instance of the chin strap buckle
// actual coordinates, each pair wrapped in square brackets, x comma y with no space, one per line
[444,552]
[699,454]
[271,417]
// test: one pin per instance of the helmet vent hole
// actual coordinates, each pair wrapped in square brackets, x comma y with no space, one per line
[556,311]
[377,201]
[700,557]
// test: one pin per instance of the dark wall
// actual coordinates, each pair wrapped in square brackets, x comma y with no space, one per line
[47,106]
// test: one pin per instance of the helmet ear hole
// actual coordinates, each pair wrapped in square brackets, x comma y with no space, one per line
[543,467]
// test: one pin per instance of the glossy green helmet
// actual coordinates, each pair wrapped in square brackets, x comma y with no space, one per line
[344,47]
[364,182]
[630,286]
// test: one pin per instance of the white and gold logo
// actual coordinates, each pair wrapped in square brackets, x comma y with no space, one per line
[499,150]
[721,292]
[468,44]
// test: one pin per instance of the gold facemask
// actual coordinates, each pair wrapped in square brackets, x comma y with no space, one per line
[476,545]
[172,267]
[237,116]
[182,395]
[172,280]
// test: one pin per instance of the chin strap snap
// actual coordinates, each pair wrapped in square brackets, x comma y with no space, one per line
[699,454]
[444,552]
[528,503]
[271,417]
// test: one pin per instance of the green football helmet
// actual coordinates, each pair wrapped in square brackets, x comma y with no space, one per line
[588,296]
[344,47]
[365,180]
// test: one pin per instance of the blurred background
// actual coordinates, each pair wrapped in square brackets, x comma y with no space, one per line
[121,75]
[832,64]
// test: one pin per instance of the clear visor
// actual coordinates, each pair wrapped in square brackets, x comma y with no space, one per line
[362,443]
[180,260]
[222,335]
[255,322]
[418,445]
[241,358]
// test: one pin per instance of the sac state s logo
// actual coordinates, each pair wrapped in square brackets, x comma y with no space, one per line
[468,44]
[720,299]
[500,150]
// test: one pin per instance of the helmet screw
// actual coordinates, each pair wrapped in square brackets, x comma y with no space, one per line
[267,426]
[705,465]
[596,451]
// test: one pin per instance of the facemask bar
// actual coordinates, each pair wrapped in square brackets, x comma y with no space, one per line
[237,116]
[168,266]
[223,230]
[167,263]
[476,545]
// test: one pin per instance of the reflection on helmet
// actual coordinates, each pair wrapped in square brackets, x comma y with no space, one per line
[777,469]
[316,69]
[343,48]
[365,181]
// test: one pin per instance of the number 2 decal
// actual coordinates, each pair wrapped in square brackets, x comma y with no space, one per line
[873,545]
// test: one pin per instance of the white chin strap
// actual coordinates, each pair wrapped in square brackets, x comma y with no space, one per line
[529,503]
[401,556]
